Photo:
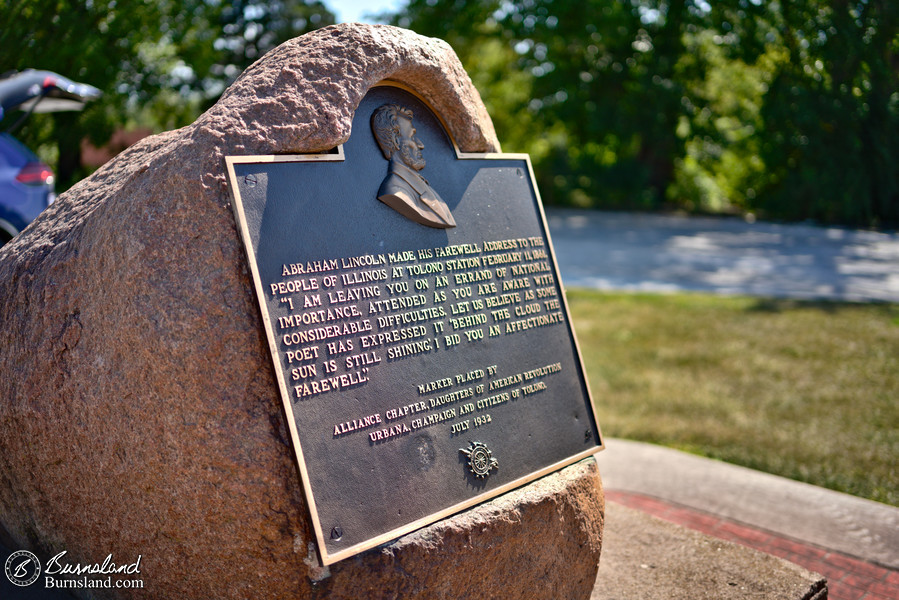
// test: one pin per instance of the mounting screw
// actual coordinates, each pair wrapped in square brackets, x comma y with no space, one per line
[336,533]
[250,180]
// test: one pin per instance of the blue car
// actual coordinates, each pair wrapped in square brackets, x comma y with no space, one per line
[26,183]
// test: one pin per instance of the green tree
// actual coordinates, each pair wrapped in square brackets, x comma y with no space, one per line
[832,113]
[789,108]
[485,47]
[83,41]
[162,60]
[723,169]
[610,71]
[242,31]
[600,88]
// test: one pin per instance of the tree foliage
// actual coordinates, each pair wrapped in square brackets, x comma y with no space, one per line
[160,61]
[832,113]
[790,109]
[787,109]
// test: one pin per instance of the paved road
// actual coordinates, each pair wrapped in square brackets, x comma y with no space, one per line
[658,253]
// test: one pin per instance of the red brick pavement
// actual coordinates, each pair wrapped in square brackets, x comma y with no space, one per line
[848,578]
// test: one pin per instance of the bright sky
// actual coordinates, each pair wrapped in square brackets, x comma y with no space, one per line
[353,11]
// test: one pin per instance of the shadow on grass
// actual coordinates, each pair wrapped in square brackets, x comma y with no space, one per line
[782,305]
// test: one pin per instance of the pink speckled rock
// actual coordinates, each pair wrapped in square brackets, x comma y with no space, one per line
[138,408]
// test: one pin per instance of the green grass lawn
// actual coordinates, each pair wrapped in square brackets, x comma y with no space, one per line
[806,390]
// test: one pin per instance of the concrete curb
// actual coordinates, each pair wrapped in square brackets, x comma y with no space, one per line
[853,526]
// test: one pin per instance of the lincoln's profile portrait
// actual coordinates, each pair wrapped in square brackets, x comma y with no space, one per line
[404,189]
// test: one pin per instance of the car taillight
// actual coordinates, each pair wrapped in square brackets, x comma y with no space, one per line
[35,173]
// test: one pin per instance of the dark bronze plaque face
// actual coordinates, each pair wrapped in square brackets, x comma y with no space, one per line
[416,321]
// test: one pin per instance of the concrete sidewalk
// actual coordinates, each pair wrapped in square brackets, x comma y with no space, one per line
[663,253]
[852,541]
[850,525]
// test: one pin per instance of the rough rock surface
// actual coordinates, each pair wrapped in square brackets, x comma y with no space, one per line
[138,408]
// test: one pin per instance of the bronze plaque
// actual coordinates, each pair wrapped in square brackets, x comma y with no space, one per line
[420,337]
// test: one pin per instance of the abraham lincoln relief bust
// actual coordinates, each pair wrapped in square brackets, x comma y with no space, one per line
[404,189]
